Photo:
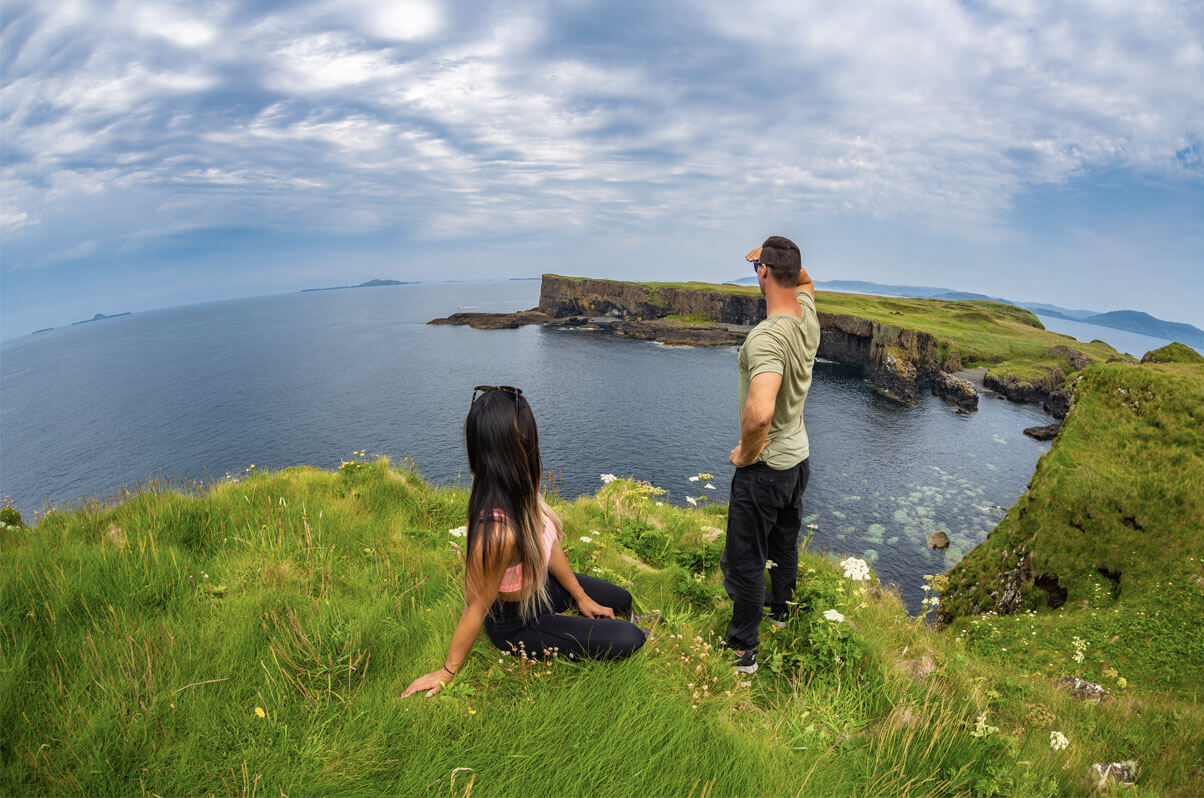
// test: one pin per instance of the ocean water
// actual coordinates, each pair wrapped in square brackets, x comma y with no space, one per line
[276,381]
[1134,344]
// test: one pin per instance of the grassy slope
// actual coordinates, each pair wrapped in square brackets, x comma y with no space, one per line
[1113,513]
[139,639]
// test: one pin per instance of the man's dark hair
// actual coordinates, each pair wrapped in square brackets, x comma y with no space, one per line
[784,260]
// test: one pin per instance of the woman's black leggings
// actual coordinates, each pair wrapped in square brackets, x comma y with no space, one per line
[550,633]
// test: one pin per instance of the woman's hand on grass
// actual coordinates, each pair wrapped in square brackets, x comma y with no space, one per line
[592,609]
[432,682]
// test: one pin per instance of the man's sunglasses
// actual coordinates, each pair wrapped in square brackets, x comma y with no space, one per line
[510,389]
[757,264]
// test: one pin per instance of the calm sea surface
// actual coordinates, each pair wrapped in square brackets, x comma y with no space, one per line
[307,378]
[1135,344]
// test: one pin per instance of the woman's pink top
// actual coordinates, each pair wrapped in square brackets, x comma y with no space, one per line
[512,580]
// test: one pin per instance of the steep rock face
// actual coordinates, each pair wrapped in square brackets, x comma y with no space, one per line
[570,296]
[900,361]
[1049,390]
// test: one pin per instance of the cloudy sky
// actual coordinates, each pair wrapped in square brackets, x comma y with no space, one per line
[158,153]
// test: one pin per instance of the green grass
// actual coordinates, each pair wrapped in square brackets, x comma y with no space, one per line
[983,333]
[690,318]
[1113,518]
[139,639]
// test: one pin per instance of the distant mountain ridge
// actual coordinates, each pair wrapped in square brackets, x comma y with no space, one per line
[365,284]
[1137,322]
[1134,321]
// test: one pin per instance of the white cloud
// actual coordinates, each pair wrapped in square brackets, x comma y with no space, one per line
[11,221]
[324,62]
[160,20]
[403,20]
[448,120]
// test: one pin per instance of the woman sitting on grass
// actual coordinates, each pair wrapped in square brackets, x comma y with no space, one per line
[513,546]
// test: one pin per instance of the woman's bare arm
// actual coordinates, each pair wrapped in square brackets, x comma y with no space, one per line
[562,572]
[481,590]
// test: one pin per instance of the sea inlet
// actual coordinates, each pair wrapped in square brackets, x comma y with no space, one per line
[207,390]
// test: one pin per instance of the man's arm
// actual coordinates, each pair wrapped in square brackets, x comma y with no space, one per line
[805,283]
[758,414]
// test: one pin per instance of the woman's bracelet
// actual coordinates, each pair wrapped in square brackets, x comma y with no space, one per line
[449,670]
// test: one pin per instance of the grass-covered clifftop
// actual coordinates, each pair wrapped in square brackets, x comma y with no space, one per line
[1022,358]
[1111,531]
[252,639]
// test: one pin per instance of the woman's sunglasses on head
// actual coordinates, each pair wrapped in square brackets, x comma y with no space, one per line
[510,389]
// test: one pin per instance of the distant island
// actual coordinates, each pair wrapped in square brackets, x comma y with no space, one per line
[368,284]
[1133,321]
[44,329]
[98,317]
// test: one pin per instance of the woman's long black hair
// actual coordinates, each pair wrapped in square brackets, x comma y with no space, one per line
[503,455]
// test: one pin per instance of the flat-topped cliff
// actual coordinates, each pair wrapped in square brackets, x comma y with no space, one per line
[584,296]
[904,346]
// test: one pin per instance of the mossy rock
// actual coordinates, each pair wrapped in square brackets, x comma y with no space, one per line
[11,517]
[1173,353]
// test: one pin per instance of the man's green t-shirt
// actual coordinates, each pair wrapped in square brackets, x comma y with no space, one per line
[784,345]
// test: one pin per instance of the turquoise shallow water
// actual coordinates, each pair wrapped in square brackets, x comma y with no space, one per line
[308,378]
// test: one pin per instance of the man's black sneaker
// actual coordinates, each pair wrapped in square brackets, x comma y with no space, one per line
[747,662]
[779,619]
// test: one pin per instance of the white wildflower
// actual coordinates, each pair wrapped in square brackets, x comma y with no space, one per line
[608,478]
[709,486]
[458,532]
[770,564]
[586,539]
[855,569]
[693,479]
[692,500]
[834,616]
[1058,741]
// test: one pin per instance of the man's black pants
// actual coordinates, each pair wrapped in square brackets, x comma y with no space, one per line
[764,517]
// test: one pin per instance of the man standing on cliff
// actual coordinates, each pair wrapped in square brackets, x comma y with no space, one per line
[765,510]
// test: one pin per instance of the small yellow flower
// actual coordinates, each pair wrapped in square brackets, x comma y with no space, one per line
[259,713]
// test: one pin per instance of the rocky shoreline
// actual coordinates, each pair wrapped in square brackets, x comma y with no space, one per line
[901,362]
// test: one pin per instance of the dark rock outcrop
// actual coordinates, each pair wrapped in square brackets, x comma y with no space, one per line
[1045,433]
[677,334]
[496,321]
[956,390]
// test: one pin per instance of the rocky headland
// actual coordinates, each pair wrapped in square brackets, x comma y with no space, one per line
[901,361]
